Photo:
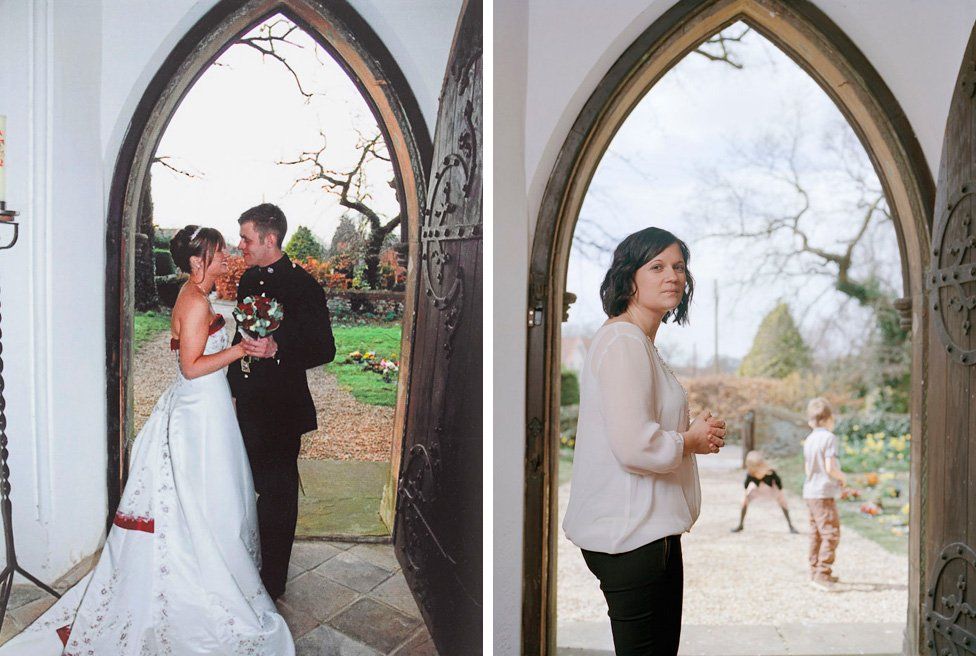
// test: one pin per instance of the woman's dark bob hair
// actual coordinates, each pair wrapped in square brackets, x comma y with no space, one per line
[195,241]
[635,251]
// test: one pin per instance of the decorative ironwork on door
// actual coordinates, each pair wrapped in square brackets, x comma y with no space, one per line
[438,534]
[950,607]
[952,278]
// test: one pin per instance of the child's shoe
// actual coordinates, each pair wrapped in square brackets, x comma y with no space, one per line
[823,582]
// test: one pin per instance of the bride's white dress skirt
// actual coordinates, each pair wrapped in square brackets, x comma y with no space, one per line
[179,570]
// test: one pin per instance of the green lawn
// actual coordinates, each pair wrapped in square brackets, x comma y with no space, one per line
[881,529]
[148,325]
[368,387]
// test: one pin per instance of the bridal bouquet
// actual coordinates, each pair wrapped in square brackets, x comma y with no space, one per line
[257,316]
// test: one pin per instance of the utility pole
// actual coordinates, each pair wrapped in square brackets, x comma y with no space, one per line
[718,368]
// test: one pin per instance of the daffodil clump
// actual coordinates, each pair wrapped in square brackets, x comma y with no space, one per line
[881,443]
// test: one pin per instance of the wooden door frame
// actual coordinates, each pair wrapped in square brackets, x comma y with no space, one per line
[338,28]
[817,45]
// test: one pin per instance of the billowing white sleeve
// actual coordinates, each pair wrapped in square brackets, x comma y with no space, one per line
[626,383]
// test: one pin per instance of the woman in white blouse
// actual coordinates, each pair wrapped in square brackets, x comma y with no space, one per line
[635,483]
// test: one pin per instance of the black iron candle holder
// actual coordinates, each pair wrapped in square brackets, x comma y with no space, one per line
[6,511]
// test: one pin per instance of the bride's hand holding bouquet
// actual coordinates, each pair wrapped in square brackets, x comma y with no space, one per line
[257,318]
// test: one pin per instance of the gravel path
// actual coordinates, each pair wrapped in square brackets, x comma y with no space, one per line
[755,577]
[348,429]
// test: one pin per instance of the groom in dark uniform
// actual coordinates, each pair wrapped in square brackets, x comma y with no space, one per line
[274,406]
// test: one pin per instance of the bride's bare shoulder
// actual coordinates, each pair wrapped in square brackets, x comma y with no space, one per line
[189,305]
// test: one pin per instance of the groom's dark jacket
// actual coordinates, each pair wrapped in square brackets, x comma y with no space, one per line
[274,395]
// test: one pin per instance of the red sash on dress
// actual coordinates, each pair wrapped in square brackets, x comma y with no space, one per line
[146,524]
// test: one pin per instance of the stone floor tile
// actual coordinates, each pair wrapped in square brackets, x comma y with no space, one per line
[326,641]
[419,645]
[876,639]
[22,595]
[10,629]
[395,592]
[341,546]
[380,626]
[317,596]
[299,622]
[732,640]
[30,612]
[309,554]
[380,555]
[352,571]
[294,571]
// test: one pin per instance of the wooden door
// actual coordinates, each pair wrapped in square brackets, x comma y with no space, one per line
[949,484]
[438,531]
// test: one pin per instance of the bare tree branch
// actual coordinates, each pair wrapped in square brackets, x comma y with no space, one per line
[792,247]
[267,43]
[163,160]
[717,49]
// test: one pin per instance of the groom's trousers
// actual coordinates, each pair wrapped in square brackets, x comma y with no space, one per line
[274,466]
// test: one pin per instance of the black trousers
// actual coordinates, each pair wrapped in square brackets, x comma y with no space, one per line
[644,589]
[274,467]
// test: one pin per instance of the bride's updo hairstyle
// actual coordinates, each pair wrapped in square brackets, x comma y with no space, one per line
[635,251]
[194,240]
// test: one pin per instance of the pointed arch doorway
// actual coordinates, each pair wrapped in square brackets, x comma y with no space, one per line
[359,51]
[823,51]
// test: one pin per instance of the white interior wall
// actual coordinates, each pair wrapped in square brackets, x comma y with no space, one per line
[53,325]
[71,75]
[510,232]
[915,46]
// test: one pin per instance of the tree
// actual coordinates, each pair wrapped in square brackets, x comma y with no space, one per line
[146,295]
[348,238]
[351,186]
[303,245]
[778,348]
[796,221]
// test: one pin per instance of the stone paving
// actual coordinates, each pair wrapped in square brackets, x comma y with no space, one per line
[342,599]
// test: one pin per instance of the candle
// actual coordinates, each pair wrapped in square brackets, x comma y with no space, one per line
[3,155]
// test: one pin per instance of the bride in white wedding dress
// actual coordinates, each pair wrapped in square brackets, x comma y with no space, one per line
[178,573]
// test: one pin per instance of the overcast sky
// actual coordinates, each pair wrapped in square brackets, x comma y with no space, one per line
[702,124]
[244,115]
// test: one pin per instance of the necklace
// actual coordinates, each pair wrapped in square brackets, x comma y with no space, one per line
[674,376]
[666,366]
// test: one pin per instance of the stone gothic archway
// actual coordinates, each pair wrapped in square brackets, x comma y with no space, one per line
[337,27]
[811,39]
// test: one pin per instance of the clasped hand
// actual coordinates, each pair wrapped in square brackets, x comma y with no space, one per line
[705,435]
[262,347]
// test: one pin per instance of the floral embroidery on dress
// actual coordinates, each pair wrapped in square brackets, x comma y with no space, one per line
[90,622]
[253,546]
